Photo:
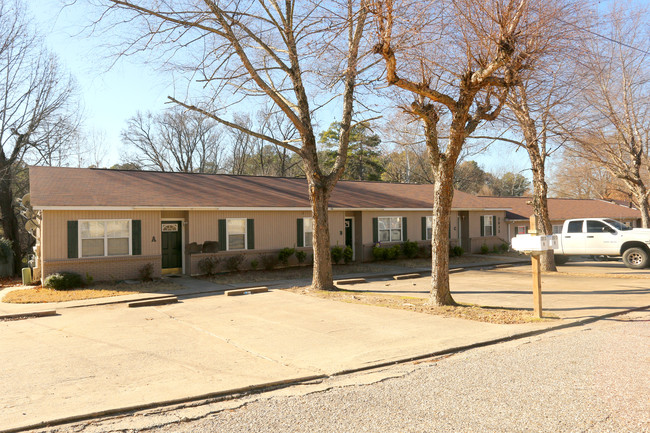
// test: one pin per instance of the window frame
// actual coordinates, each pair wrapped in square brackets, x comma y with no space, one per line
[485,226]
[557,229]
[429,228]
[307,241]
[104,238]
[390,230]
[517,232]
[245,235]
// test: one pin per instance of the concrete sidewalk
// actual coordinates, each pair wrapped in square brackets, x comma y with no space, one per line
[109,358]
[193,287]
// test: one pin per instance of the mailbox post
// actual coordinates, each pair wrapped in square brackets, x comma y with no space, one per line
[533,245]
[537,274]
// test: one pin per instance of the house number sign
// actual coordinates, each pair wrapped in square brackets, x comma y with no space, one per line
[170,227]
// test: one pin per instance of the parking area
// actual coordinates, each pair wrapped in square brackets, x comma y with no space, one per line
[93,359]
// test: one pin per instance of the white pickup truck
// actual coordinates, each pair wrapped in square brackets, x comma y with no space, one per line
[603,236]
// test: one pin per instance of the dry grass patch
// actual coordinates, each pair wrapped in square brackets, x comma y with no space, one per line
[498,315]
[39,295]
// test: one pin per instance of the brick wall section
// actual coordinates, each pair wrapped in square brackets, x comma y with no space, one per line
[104,268]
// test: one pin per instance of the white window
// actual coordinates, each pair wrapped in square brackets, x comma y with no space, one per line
[557,229]
[390,229]
[488,225]
[236,233]
[308,227]
[429,225]
[105,238]
[521,230]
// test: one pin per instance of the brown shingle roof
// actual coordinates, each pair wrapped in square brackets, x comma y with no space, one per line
[565,208]
[82,187]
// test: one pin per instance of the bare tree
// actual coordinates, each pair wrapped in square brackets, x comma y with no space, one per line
[457,59]
[296,55]
[175,140]
[35,115]
[576,177]
[612,126]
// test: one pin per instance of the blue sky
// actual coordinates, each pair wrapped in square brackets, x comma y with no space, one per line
[111,95]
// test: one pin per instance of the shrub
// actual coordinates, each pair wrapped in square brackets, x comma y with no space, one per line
[504,247]
[393,252]
[89,278]
[301,256]
[254,264]
[379,253]
[485,249]
[146,272]
[63,281]
[269,262]
[410,249]
[5,250]
[456,251]
[347,254]
[209,265]
[285,254]
[424,251]
[337,254]
[234,262]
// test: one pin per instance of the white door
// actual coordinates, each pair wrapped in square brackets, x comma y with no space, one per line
[573,241]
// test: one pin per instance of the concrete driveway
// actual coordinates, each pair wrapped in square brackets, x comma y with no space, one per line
[95,359]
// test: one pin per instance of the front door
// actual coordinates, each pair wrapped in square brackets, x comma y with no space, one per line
[349,234]
[172,246]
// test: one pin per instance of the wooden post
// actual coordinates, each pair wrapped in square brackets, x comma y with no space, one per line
[537,275]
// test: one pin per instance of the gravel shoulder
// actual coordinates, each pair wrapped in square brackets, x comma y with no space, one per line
[590,378]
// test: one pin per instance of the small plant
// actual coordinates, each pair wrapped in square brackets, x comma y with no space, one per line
[347,254]
[285,254]
[269,262]
[410,249]
[337,254]
[379,253]
[424,251]
[504,247]
[63,281]
[209,265]
[456,251]
[301,256]
[89,279]
[393,252]
[146,272]
[254,264]
[5,250]
[485,249]
[234,262]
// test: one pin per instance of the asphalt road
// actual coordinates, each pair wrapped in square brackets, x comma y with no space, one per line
[591,378]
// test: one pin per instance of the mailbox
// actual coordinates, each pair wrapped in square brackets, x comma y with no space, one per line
[531,243]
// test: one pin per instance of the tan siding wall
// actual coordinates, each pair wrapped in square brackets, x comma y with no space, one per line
[55,229]
[413,223]
[54,246]
[273,229]
[174,214]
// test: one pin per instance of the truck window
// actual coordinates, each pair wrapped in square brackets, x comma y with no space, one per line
[596,227]
[575,227]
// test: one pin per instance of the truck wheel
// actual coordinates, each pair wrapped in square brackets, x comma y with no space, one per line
[560,259]
[635,258]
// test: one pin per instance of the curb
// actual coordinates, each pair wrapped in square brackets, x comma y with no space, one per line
[219,395]
[270,386]
[43,313]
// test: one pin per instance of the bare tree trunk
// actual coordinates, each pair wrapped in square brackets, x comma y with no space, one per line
[641,198]
[540,205]
[9,220]
[322,277]
[443,194]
